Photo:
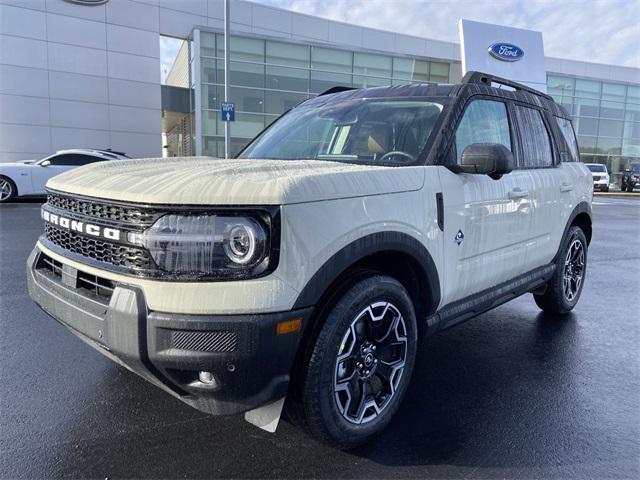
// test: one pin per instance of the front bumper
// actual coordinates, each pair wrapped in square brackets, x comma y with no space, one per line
[250,362]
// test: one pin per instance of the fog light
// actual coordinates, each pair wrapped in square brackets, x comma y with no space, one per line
[207,378]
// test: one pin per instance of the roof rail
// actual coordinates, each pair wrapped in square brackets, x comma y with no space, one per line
[336,90]
[108,150]
[488,79]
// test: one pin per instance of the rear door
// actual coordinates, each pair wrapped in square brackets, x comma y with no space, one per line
[537,162]
[487,221]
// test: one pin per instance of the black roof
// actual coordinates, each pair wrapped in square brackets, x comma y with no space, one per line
[473,83]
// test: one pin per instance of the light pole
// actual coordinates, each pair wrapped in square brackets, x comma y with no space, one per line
[227,126]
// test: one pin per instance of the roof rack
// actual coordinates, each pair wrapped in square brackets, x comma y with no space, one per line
[336,90]
[488,79]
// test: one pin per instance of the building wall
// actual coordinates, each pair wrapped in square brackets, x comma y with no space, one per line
[78,76]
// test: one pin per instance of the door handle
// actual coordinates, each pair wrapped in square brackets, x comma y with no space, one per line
[517,193]
[566,187]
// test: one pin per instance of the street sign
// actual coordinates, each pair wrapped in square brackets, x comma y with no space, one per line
[228,111]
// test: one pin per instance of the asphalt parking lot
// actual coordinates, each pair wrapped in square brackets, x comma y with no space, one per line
[513,393]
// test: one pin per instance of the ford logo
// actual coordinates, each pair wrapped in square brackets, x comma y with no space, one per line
[507,52]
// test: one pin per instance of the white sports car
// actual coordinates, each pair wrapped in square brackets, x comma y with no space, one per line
[28,177]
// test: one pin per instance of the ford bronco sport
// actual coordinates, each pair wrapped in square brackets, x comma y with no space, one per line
[308,267]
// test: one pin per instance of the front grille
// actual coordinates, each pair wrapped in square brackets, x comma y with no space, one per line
[113,253]
[105,211]
[204,341]
[51,266]
[99,287]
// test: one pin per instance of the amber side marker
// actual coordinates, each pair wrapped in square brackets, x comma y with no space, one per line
[289,326]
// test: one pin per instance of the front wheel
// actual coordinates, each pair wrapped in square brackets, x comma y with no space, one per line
[7,189]
[360,363]
[564,289]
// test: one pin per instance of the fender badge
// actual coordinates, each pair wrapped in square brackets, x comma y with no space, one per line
[459,238]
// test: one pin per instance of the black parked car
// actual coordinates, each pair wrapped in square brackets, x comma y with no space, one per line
[630,178]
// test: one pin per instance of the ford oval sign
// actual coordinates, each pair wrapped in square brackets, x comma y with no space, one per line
[507,52]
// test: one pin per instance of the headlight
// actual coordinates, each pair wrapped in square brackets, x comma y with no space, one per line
[212,245]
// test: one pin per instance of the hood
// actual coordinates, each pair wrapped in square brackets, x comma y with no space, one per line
[210,181]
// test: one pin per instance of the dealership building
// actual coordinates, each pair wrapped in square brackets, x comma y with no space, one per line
[87,74]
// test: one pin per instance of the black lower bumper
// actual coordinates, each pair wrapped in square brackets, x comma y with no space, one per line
[248,360]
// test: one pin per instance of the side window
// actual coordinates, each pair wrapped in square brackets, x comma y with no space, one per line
[535,151]
[74,159]
[484,121]
[570,139]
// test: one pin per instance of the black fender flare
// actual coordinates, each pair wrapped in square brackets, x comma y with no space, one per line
[580,208]
[366,246]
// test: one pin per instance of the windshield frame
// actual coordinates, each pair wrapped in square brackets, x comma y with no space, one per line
[421,158]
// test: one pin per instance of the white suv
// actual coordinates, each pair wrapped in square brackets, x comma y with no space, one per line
[308,267]
[600,176]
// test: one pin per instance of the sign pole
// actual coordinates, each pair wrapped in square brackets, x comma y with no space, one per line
[227,126]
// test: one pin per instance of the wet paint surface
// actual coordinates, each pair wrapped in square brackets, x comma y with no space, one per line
[510,394]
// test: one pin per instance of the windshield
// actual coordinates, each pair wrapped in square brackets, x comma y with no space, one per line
[595,167]
[371,131]
[635,167]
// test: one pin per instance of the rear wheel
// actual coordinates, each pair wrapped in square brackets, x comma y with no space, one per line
[360,364]
[8,189]
[564,289]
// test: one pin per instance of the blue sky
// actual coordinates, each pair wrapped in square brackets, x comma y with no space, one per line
[602,31]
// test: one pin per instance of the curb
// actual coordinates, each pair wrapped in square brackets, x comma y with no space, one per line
[617,194]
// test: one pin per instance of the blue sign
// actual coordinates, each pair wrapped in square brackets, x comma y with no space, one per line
[228,111]
[507,52]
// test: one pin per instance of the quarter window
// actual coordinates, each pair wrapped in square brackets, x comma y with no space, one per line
[570,139]
[536,146]
[484,121]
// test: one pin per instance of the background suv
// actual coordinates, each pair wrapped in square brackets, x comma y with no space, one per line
[600,176]
[306,270]
[28,177]
[630,178]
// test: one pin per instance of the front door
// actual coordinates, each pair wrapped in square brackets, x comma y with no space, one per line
[487,221]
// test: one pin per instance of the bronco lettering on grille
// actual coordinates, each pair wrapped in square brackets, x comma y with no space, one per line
[81,227]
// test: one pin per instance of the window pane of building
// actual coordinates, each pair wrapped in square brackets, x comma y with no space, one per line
[246,74]
[208,44]
[246,99]
[370,65]
[439,72]
[562,86]
[410,70]
[587,144]
[212,71]
[611,110]
[360,81]
[610,128]
[247,125]
[587,126]
[633,93]
[587,107]
[280,53]
[611,146]
[279,102]
[614,91]
[321,81]
[247,49]
[631,146]
[331,60]
[632,112]
[210,122]
[587,88]
[211,96]
[283,78]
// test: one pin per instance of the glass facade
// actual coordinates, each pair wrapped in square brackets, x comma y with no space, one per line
[606,118]
[269,77]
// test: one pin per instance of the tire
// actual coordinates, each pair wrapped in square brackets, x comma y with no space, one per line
[560,298]
[630,188]
[343,349]
[8,190]
[605,189]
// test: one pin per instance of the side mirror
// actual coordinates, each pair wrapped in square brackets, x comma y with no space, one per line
[46,163]
[491,159]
